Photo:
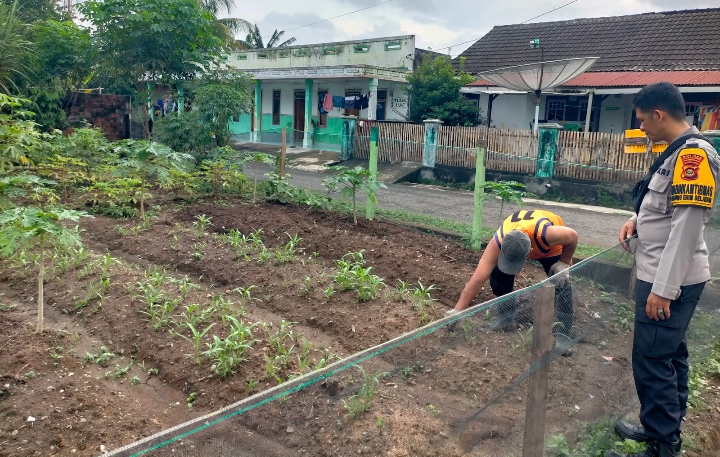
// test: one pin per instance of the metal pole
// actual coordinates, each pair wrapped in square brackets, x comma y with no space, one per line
[478,197]
[372,166]
[588,115]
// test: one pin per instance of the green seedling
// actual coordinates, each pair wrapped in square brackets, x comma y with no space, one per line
[196,339]
[100,358]
[56,354]
[362,401]
[202,222]
[329,292]
[251,383]
[190,400]
[119,371]
[135,381]
[230,352]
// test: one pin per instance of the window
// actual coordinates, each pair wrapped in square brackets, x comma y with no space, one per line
[242,57]
[262,56]
[284,54]
[361,48]
[276,107]
[330,51]
[224,57]
[393,46]
[352,93]
[302,53]
[555,110]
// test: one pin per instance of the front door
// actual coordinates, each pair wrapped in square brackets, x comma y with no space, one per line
[299,116]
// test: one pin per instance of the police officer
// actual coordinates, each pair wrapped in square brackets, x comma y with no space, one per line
[537,235]
[673,204]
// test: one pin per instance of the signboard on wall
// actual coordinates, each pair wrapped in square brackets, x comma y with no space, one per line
[399,103]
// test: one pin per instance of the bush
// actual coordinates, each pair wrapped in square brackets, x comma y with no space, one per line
[185,132]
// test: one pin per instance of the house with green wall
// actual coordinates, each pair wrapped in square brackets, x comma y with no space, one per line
[292,82]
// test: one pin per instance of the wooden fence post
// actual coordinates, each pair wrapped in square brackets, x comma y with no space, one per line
[534,439]
[478,196]
[283,151]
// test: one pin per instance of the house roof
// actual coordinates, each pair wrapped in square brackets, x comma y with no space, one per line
[666,41]
[633,79]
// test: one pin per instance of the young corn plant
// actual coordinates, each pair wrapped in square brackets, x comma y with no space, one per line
[228,353]
[201,224]
[101,357]
[362,401]
[196,340]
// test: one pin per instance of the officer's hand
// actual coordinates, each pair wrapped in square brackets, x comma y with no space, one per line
[657,307]
[563,274]
[626,232]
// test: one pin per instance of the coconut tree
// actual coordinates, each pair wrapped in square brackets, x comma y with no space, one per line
[254,40]
[227,27]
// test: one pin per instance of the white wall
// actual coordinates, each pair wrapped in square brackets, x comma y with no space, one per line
[616,120]
[511,111]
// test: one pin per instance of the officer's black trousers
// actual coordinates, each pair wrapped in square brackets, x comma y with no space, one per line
[660,365]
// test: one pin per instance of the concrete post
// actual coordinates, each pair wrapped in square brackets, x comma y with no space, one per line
[547,147]
[150,104]
[588,114]
[307,138]
[430,142]
[347,145]
[372,102]
[372,167]
[257,127]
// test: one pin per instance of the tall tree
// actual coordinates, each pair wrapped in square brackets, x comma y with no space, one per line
[434,92]
[148,41]
[16,51]
[29,11]
[228,27]
[254,40]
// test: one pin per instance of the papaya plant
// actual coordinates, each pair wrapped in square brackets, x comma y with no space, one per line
[149,162]
[30,227]
[19,138]
[349,180]
[258,158]
[67,171]
[507,191]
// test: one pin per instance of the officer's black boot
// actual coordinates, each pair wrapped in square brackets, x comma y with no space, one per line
[504,322]
[629,431]
[654,449]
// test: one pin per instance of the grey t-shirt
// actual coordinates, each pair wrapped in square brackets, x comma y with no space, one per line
[671,250]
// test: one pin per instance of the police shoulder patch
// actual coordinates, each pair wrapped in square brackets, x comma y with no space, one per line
[693,181]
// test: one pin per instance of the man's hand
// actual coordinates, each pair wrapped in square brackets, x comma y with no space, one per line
[657,307]
[626,232]
[448,313]
[563,274]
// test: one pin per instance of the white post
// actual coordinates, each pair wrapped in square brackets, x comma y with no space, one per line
[372,102]
[588,115]
[537,116]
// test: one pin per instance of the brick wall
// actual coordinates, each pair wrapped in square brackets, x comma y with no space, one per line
[107,112]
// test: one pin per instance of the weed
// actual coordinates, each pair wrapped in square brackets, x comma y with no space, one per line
[251,383]
[362,401]
[190,400]
[559,446]
[380,422]
[135,381]
[629,446]
[56,354]
[329,292]
[100,358]
[31,375]
[198,249]
[152,371]
[305,288]
[434,411]
[119,371]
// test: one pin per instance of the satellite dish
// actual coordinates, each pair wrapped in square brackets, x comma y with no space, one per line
[536,77]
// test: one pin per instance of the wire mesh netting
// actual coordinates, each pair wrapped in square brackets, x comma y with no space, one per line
[458,386]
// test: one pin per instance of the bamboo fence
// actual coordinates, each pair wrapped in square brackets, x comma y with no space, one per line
[397,142]
[590,156]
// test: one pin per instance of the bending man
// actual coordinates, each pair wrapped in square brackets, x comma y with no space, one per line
[536,235]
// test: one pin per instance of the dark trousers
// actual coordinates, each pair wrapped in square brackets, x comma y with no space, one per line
[660,364]
[503,283]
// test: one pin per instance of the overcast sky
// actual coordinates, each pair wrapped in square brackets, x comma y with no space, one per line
[437,24]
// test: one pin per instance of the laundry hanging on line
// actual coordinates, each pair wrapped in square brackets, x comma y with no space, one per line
[338,101]
[327,103]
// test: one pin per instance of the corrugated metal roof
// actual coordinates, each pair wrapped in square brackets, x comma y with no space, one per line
[636,79]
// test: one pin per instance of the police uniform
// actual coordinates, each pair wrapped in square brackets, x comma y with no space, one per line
[534,224]
[672,262]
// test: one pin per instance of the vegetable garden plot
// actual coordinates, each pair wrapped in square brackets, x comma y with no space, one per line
[442,391]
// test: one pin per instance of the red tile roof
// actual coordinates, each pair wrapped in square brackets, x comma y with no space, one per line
[635,79]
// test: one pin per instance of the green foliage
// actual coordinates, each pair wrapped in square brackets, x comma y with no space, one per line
[362,401]
[230,352]
[559,446]
[67,171]
[117,197]
[221,176]
[30,11]
[18,137]
[185,132]
[348,181]
[352,274]
[65,52]
[24,185]
[434,91]
[219,99]
[15,49]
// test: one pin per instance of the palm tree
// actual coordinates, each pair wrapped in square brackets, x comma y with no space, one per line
[226,27]
[16,51]
[254,40]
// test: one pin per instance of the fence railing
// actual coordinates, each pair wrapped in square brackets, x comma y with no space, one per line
[592,156]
